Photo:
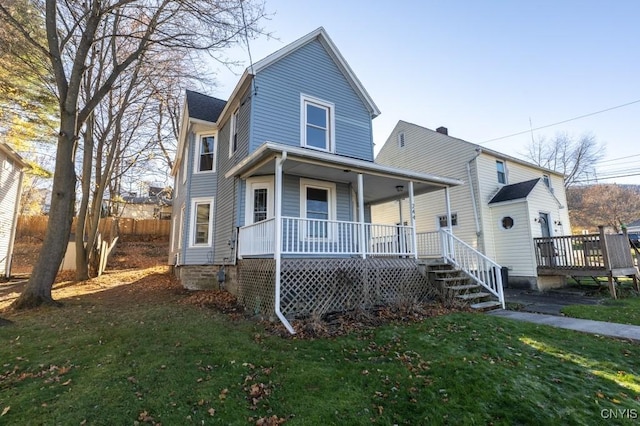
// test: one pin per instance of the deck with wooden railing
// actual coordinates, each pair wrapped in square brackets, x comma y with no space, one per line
[591,255]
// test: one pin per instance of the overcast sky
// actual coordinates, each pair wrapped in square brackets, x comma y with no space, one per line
[484,69]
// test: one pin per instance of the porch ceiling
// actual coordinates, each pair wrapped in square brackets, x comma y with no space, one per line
[381,183]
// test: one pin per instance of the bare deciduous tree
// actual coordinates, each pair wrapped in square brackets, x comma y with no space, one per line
[574,157]
[129,29]
[603,204]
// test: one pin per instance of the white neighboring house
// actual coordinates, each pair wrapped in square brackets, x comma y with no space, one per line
[504,203]
[11,174]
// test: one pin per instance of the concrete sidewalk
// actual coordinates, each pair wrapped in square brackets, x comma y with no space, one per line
[621,331]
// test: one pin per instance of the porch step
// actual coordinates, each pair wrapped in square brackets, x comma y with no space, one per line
[473,296]
[463,287]
[449,280]
[486,306]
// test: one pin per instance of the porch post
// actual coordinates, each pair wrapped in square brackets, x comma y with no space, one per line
[277,243]
[448,201]
[363,251]
[412,215]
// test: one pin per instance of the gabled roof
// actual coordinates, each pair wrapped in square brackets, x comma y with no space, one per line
[321,35]
[515,191]
[479,148]
[204,107]
[197,108]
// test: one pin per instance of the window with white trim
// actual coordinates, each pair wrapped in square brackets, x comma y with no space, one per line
[201,222]
[206,154]
[502,171]
[233,133]
[318,204]
[317,124]
[442,220]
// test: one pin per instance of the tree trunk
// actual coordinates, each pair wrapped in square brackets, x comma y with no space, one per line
[82,250]
[38,289]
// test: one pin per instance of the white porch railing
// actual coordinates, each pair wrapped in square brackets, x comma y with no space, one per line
[325,237]
[257,239]
[390,240]
[429,244]
[483,270]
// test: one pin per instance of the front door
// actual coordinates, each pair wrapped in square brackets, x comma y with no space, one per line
[544,224]
[259,200]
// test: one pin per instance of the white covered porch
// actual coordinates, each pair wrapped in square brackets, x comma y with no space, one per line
[300,236]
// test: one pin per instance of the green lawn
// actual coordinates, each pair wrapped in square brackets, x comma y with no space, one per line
[175,364]
[623,311]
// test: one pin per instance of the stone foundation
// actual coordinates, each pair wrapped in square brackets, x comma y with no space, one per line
[205,277]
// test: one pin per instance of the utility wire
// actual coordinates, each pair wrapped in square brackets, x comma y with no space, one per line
[560,122]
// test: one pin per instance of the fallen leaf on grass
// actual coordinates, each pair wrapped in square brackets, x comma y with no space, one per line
[5,410]
[211,411]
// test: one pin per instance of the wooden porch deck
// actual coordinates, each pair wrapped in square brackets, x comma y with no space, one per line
[592,255]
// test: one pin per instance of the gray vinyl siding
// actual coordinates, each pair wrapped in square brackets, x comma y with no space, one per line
[230,195]
[291,199]
[181,196]
[201,185]
[9,183]
[310,71]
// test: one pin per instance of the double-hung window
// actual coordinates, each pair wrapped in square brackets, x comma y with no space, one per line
[317,124]
[233,134]
[318,204]
[206,158]
[502,172]
[201,222]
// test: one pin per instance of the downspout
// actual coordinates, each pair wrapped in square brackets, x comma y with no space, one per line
[277,251]
[473,193]
[9,258]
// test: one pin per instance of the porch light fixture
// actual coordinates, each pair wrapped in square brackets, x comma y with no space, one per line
[399,188]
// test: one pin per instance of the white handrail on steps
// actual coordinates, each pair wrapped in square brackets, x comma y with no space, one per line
[479,267]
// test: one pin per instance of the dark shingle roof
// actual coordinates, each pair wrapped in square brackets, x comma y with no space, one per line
[515,191]
[203,107]
[634,223]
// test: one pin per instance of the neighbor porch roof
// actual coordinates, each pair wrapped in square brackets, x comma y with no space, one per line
[380,182]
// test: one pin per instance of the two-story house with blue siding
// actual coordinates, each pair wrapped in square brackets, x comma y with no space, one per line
[274,189]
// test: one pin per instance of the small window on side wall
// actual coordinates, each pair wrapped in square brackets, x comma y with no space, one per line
[442,220]
[507,222]
[501,170]
[546,180]
[233,134]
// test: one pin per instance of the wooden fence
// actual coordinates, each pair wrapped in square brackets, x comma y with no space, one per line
[35,226]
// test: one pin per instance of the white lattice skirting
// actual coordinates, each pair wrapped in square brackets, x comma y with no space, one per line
[318,286]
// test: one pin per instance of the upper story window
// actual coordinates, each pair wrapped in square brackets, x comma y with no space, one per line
[546,180]
[233,133]
[205,160]
[317,126]
[502,171]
